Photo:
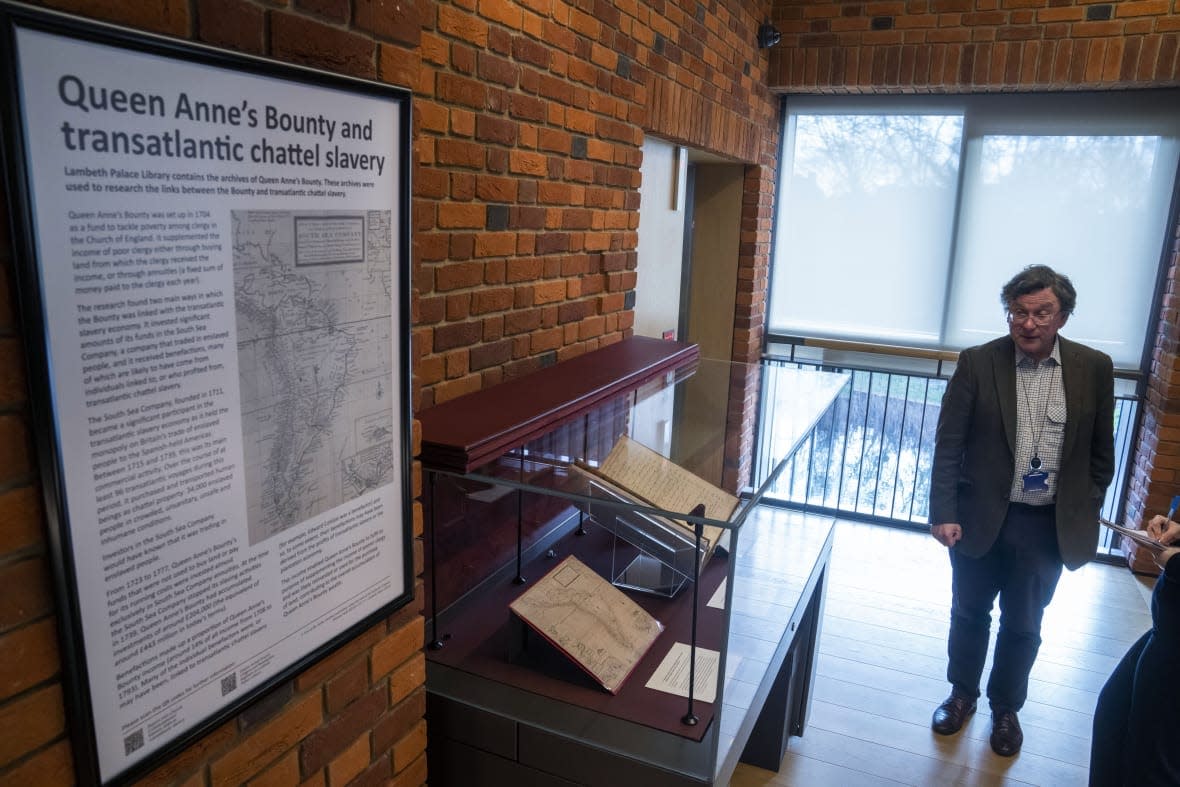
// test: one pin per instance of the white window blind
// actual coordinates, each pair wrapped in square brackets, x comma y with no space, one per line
[899,219]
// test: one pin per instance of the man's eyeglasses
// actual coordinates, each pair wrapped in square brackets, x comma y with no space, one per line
[1042,317]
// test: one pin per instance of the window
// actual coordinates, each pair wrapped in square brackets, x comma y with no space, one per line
[900,218]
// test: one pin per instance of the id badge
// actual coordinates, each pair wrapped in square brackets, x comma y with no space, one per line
[1036,481]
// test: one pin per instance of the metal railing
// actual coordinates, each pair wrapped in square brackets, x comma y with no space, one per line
[869,457]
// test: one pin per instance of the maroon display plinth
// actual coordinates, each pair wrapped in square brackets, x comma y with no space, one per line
[479,642]
[472,430]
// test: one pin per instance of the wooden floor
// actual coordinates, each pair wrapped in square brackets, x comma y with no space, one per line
[882,666]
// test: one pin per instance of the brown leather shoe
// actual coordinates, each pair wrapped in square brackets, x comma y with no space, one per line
[950,715]
[1007,736]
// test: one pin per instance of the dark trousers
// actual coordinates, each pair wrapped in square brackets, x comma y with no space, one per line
[1023,567]
[1137,721]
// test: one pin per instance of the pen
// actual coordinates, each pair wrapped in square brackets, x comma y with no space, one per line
[1171,513]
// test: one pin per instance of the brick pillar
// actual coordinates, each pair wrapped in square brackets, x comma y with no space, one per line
[749,319]
[1155,476]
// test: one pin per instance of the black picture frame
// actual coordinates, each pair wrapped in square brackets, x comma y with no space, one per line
[382,469]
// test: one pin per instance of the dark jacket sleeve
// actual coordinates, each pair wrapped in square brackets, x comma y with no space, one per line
[950,442]
[1102,458]
[1165,609]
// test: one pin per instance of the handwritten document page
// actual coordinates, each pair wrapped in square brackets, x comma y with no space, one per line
[602,630]
[1140,537]
[600,485]
[662,483]
[672,674]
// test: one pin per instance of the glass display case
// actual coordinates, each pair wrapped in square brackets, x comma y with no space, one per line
[628,460]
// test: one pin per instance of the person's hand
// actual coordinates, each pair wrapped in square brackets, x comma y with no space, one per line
[1163,556]
[947,534]
[1163,529]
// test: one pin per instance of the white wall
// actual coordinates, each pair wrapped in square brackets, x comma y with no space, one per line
[661,238]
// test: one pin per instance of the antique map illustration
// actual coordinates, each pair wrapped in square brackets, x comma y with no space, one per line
[312,294]
[590,620]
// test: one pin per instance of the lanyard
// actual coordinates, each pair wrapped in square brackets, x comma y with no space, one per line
[1037,424]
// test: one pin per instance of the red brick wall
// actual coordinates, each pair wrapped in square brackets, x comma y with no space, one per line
[964,46]
[974,45]
[528,123]
[1156,477]
[531,118]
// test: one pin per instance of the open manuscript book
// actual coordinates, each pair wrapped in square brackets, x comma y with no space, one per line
[632,471]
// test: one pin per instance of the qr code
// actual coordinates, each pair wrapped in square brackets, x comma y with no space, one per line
[133,742]
[229,683]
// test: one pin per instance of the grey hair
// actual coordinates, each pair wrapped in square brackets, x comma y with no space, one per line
[1035,278]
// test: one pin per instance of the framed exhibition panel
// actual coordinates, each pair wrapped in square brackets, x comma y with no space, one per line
[212,256]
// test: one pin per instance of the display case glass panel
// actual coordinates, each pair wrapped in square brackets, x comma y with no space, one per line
[678,550]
